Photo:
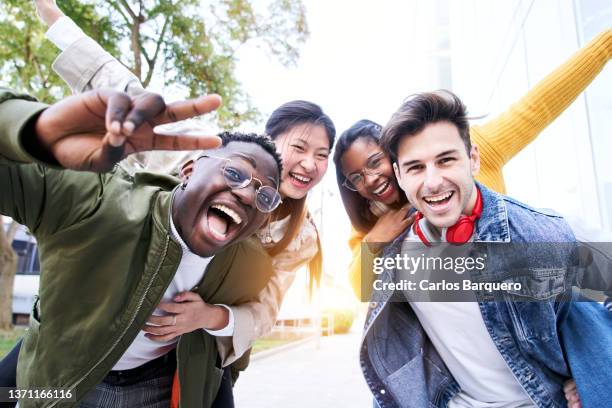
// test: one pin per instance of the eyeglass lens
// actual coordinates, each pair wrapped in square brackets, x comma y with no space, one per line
[239,176]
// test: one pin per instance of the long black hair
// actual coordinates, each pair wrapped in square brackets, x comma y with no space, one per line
[282,120]
[356,206]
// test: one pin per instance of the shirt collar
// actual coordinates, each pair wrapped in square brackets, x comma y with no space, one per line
[180,241]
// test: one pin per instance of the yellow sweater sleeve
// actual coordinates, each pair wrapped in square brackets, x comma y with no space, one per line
[360,257]
[500,139]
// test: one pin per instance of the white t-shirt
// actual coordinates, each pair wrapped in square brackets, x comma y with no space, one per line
[458,332]
[189,273]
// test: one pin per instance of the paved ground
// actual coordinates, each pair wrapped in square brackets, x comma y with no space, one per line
[307,376]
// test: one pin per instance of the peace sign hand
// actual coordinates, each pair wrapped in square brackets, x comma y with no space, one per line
[95,130]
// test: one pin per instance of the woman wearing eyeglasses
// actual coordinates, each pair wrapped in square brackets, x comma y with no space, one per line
[378,209]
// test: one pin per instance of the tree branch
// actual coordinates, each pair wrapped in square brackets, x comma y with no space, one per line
[127,7]
[152,62]
[38,70]
[121,13]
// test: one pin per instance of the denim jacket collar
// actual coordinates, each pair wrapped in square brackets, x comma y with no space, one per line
[492,226]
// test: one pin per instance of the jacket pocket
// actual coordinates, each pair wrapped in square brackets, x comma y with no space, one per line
[417,383]
[534,322]
[538,284]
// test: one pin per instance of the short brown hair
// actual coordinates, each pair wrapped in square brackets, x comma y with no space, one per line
[420,110]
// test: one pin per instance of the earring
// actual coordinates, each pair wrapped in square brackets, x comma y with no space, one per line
[183,185]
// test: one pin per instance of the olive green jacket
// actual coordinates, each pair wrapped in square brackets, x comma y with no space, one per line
[107,257]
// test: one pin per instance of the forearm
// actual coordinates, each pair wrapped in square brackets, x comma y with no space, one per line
[356,274]
[361,275]
[220,321]
[255,319]
[85,65]
[506,135]
[17,111]
[48,11]
[36,195]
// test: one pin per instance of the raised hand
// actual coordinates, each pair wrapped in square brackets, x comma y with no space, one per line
[48,11]
[388,227]
[95,130]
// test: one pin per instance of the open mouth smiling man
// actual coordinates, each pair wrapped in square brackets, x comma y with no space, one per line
[113,245]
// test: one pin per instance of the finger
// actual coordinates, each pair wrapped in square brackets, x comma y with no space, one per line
[185,142]
[161,320]
[569,385]
[408,220]
[167,337]
[159,330]
[175,308]
[104,158]
[411,219]
[117,108]
[182,110]
[146,107]
[187,296]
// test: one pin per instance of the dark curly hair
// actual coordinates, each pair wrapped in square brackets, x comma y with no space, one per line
[263,140]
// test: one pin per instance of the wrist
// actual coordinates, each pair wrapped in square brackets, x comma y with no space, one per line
[374,244]
[34,144]
[215,317]
[50,14]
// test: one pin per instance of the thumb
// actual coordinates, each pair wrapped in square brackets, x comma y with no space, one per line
[187,296]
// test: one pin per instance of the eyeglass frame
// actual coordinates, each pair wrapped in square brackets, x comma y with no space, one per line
[367,170]
[261,185]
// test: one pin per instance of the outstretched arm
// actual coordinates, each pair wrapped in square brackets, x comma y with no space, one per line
[91,131]
[95,130]
[500,139]
[83,63]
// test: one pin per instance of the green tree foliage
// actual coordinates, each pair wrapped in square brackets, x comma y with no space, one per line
[192,43]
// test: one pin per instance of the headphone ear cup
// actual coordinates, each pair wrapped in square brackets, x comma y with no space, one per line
[461,232]
[428,237]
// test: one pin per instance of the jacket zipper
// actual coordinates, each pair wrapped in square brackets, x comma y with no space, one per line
[127,327]
[180,402]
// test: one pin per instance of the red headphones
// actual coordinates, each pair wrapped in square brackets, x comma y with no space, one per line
[458,234]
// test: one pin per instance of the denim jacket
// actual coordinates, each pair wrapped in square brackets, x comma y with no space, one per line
[401,365]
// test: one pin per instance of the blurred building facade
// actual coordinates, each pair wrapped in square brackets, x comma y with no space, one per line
[491,52]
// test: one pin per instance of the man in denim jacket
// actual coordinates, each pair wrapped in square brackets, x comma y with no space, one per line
[464,354]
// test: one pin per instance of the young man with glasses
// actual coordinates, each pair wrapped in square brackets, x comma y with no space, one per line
[114,245]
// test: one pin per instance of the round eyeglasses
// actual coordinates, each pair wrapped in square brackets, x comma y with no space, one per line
[238,176]
[356,180]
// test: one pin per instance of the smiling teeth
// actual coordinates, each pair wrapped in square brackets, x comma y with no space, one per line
[301,178]
[382,188]
[231,213]
[438,198]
